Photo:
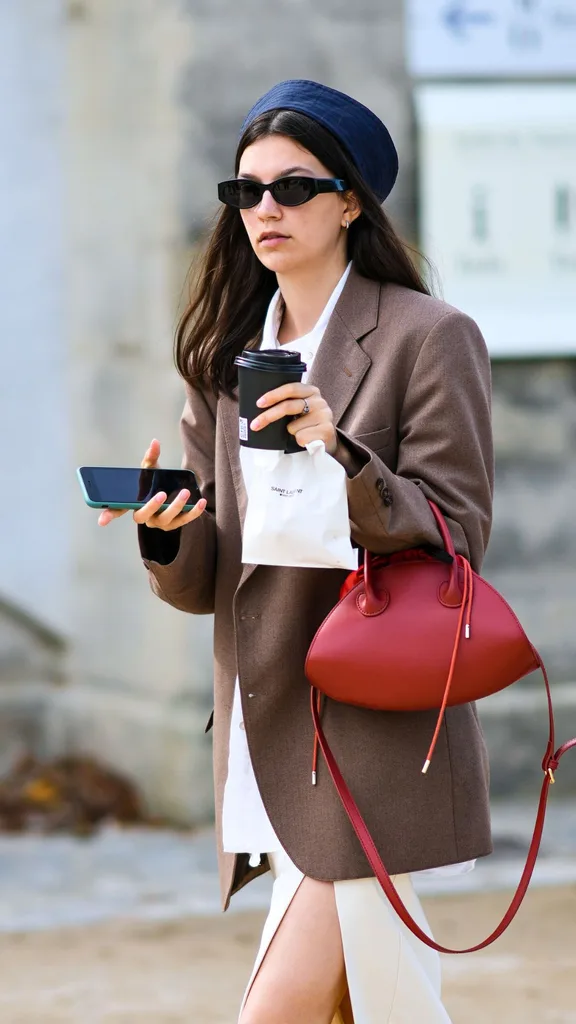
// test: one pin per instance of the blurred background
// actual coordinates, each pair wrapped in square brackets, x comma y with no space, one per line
[117,118]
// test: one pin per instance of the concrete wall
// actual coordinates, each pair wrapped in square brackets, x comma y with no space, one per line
[34,420]
[532,558]
[31,670]
[140,672]
[532,552]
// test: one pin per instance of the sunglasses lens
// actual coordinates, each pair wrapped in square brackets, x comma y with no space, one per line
[242,194]
[293,191]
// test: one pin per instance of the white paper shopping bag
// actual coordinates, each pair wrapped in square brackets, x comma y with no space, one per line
[297,511]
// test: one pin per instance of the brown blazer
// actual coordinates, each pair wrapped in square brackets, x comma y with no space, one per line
[408,380]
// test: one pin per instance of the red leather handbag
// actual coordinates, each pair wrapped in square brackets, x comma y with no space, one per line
[414,632]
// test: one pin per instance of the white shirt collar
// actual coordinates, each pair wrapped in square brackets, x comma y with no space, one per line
[309,343]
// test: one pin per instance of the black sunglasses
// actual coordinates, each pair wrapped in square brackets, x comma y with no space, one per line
[243,193]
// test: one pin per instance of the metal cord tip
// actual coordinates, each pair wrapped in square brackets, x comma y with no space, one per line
[313,778]
[426,767]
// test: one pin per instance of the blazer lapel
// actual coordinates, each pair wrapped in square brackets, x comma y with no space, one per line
[341,364]
[338,369]
[228,415]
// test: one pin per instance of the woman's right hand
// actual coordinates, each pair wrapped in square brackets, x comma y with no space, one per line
[171,518]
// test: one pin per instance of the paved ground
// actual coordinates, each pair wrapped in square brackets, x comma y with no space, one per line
[194,970]
[124,928]
[161,875]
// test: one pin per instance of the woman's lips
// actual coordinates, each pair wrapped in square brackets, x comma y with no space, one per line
[273,240]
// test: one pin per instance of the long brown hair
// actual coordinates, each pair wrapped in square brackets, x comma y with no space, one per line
[233,288]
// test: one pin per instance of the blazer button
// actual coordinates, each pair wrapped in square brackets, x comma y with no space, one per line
[384,491]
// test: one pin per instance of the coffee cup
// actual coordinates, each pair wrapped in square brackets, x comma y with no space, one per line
[261,371]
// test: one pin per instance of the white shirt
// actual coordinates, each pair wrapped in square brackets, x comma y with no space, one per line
[246,827]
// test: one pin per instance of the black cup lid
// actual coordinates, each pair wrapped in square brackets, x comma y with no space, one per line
[271,360]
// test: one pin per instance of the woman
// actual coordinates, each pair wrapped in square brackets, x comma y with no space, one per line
[398,388]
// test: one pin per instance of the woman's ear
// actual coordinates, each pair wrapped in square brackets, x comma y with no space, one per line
[352,208]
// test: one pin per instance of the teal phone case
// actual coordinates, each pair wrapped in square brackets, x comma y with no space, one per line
[115,505]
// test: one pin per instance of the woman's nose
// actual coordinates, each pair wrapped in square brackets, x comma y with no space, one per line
[268,205]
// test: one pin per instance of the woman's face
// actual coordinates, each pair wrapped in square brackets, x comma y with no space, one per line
[305,235]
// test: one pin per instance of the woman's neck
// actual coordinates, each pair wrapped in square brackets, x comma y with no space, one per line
[305,297]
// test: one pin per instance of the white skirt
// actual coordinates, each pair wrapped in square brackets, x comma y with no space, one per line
[392,976]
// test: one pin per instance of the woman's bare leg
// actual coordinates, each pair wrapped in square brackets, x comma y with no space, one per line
[346,1009]
[302,976]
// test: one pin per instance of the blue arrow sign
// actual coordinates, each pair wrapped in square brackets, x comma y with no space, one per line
[459,18]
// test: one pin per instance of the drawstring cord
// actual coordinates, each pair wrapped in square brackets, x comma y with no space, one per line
[464,620]
[465,610]
[315,695]
[468,572]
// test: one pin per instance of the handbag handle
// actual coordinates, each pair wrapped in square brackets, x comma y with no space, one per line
[453,593]
[549,764]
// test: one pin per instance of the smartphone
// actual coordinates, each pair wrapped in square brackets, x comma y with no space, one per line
[119,487]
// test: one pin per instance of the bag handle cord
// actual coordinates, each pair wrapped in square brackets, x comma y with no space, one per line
[549,764]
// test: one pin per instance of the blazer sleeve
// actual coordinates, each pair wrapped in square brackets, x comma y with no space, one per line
[445,452]
[182,564]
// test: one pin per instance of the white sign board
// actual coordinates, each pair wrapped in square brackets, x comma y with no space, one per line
[498,209]
[491,37]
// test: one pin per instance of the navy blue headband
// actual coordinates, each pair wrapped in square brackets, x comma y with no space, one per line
[363,134]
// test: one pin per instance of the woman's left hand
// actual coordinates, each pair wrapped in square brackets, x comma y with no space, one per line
[316,425]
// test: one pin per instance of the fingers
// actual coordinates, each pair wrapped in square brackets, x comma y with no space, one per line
[297,390]
[150,515]
[315,419]
[318,410]
[185,517]
[150,509]
[108,514]
[150,460]
[316,425]
[171,518]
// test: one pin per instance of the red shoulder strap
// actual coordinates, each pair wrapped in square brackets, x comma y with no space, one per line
[549,764]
